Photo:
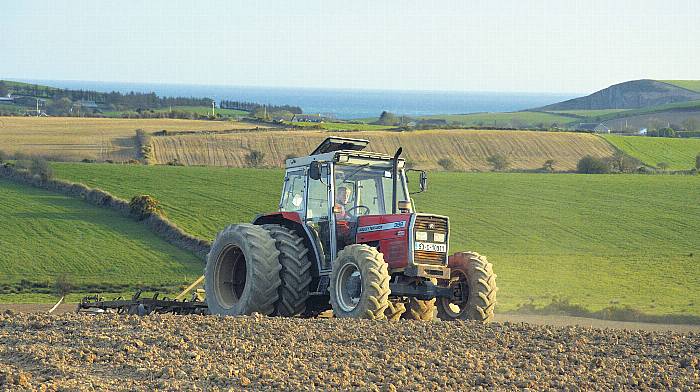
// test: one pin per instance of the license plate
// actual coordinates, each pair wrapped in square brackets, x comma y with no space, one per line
[431,247]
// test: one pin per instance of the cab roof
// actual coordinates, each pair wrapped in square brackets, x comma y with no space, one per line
[333,148]
[335,143]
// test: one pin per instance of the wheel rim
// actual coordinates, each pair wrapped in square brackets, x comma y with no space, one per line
[230,277]
[348,288]
[453,307]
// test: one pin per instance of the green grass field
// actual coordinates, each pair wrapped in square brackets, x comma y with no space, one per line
[45,235]
[678,153]
[597,240]
[693,85]
[588,113]
[513,119]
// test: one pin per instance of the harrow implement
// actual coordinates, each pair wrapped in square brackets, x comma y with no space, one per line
[142,306]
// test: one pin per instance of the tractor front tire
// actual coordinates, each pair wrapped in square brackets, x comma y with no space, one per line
[418,309]
[295,273]
[242,275]
[359,285]
[473,276]
[394,310]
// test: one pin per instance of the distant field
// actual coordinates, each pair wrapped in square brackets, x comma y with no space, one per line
[678,106]
[693,85]
[194,109]
[467,148]
[74,138]
[589,113]
[598,240]
[333,126]
[678,153]
[508,120]
[45,235]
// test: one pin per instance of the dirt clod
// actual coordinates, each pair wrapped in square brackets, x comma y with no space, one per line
[162,352]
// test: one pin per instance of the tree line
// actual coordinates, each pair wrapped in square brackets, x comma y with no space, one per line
[252,107]
[112,100]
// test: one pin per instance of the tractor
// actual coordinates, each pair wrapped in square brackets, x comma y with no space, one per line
[347,238]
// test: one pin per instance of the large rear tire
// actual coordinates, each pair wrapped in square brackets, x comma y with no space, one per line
[359,286]
[242,275]
[295,273]
[472,276]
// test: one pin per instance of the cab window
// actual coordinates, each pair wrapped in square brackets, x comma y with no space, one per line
[293,194]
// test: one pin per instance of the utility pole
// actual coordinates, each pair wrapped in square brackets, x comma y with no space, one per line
[37,107]
[212,109]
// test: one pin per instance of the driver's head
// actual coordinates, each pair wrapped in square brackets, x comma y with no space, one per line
[342,196]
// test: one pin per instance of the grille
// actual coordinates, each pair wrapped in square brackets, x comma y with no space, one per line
[423,224]
[431,225]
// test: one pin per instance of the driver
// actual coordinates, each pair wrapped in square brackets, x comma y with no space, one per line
[344,221]
[342,200]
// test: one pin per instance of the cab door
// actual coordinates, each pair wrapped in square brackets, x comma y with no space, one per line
[318,218]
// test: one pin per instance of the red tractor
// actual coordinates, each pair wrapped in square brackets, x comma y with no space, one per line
[347,238]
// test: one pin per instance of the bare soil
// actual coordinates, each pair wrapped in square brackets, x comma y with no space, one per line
[113,352]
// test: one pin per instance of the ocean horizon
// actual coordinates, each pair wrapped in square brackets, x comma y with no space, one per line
[337,102]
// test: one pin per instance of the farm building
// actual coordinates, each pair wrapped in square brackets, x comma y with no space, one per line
[309,118]
[594,127]
[86,104]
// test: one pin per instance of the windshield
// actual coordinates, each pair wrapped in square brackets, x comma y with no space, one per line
[366,189]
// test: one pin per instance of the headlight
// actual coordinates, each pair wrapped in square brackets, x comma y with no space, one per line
[421,236]
[439,237]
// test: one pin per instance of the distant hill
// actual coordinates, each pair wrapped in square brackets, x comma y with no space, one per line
[634,94]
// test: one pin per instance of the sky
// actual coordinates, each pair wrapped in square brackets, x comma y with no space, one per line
[510,46]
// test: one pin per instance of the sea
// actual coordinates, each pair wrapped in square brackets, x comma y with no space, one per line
[338,103]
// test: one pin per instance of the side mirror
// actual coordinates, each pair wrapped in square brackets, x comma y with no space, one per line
[315,170]
[423,181]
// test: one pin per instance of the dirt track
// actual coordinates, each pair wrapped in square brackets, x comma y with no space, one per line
[196,352]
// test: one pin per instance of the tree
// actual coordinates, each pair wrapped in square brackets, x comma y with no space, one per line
[663,132]
[498,161]
[40,167]
[387,118]
[691,124]
[254,158]
[624,163]
[697,161]
[549,165]
[261,113]
[592,165]
[59,107]
[3,89]
[663,165]
[446,163]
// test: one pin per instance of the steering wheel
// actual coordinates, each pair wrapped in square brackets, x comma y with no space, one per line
[366,210]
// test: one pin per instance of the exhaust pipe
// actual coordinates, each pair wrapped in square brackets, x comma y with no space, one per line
[394,176]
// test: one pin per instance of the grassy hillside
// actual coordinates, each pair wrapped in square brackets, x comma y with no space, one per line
[678,153]
[589,113]
[693,85]
[507,120]
[597,240]
[469,149]
[45,235]
[74,138]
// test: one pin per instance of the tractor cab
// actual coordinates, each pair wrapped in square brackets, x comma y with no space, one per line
[341,192]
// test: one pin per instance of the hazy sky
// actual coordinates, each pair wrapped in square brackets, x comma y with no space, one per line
[537,46]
